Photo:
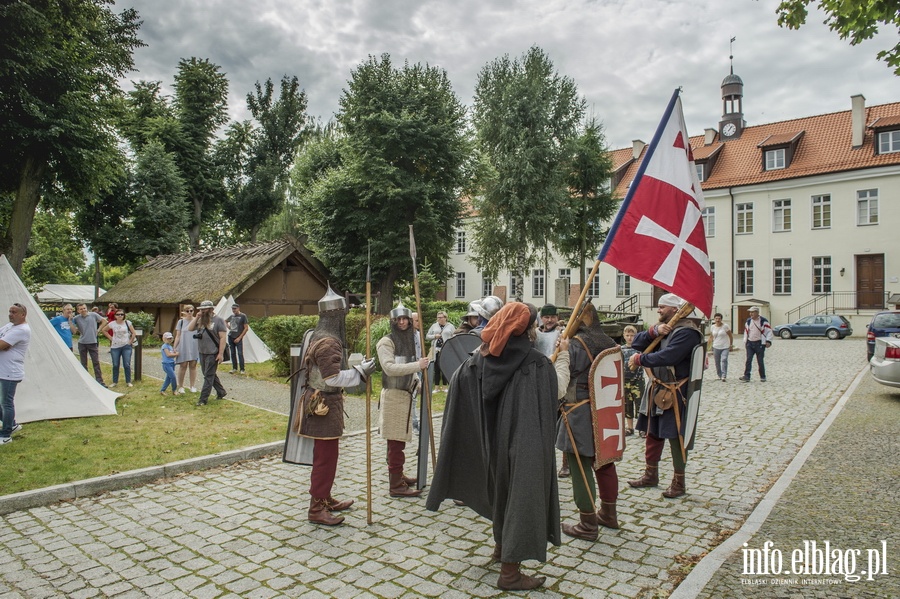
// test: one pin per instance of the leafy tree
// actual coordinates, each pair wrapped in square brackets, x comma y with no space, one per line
[526,117]
[60,64]
[201,92]
[402,154]
[256,160]
[857,21]
[53,254]
[589,203]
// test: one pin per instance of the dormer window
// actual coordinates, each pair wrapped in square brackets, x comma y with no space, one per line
[889,142]
[775,159]
[778,150]
[699,166]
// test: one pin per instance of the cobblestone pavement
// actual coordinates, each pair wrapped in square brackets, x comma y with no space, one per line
[241,531]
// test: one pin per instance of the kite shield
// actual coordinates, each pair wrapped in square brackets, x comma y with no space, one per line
[297,449]
[608,406]
[692,396]
[456,351]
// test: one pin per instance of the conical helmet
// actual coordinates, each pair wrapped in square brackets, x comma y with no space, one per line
[332,301]
[401,310]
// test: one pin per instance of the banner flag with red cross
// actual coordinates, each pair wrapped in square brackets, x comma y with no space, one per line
[658,236]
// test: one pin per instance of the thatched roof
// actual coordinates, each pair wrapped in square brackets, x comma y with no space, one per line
[210,274]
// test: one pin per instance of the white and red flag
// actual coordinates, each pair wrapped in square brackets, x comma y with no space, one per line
[658,234]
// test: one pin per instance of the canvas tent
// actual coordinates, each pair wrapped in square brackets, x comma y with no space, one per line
[55,384]
[67,294]
[255,350]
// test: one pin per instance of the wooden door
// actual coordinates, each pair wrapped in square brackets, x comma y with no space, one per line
[870,281]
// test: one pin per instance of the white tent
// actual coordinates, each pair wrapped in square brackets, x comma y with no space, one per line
[255,350]
[55,384]
[68,294]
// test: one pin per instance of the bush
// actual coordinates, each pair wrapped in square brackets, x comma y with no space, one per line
[279,332]
[144,322]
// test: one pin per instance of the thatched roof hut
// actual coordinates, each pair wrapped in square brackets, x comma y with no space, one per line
[268,278]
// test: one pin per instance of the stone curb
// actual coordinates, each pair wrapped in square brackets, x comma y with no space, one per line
[133,478]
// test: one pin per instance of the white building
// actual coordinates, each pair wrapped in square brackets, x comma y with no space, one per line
[800,219]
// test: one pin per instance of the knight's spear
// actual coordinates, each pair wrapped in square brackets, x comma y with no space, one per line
[369,389]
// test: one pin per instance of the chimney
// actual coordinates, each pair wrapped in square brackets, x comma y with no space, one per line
[858,120]
[709,136]
[637,146]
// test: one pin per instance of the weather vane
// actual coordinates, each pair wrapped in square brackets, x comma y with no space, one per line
[731,53]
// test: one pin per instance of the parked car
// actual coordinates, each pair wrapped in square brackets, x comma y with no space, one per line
[820,325]
[882,325]
[885,364]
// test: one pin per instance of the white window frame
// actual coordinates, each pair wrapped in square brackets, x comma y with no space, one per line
[709,221]
[743,279]
[743,218]
[782,276]
[537,282]
[781,216]
[594,290]
[701,170]
[889,141]
[460,241]
[460,284]
[821,274]
[513,281]
[866,207]
[487,286]
[776,159]
[821,211]
[623,284]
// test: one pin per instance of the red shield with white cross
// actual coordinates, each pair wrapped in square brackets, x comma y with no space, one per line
[608,406]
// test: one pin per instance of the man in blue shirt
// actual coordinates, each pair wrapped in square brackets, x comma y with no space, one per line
[64,325]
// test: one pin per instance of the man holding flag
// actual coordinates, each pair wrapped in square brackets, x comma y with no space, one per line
[658,237]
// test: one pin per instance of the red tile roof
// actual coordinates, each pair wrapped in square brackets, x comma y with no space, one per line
[825,148]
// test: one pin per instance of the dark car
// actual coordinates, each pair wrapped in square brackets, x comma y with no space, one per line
[820,325]
[883,324]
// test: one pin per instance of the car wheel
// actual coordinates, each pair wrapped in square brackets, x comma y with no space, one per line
[832,334]
[785,334]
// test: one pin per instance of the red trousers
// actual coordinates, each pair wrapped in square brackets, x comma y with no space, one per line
[325,459]
[395,456]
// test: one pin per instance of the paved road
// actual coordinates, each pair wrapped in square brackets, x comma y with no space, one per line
[240,531]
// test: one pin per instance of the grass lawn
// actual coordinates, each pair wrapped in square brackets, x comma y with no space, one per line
[150,430]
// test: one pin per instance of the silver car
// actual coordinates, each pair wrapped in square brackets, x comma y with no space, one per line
[885,364]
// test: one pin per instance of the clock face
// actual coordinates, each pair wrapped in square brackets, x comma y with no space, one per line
[729,129]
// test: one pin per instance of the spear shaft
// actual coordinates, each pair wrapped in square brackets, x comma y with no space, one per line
[369,389]
[426,387]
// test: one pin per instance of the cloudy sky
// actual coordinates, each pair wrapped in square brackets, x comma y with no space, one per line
[626,56]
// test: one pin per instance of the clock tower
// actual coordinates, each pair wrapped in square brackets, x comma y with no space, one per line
[732,123]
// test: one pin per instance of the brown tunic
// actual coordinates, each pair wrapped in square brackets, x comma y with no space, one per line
[325,358]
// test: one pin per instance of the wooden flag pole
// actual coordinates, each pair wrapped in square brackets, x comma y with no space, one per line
[572,325]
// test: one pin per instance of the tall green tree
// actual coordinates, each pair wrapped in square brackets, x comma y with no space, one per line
[526,117]
[256,160]
[589,204]
[856,21]
[402,161]
[201,93]
[158,223]
[60,64]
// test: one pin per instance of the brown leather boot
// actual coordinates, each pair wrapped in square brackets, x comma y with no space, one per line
[399,488]
[334,505]
[586,529]
[607,514]
[676,489]
[409,480]
[511,579]
[319,514]
[564,469]
[650,477]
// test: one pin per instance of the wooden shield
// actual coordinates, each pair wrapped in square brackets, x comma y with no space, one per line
[297,449]
[608,406]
